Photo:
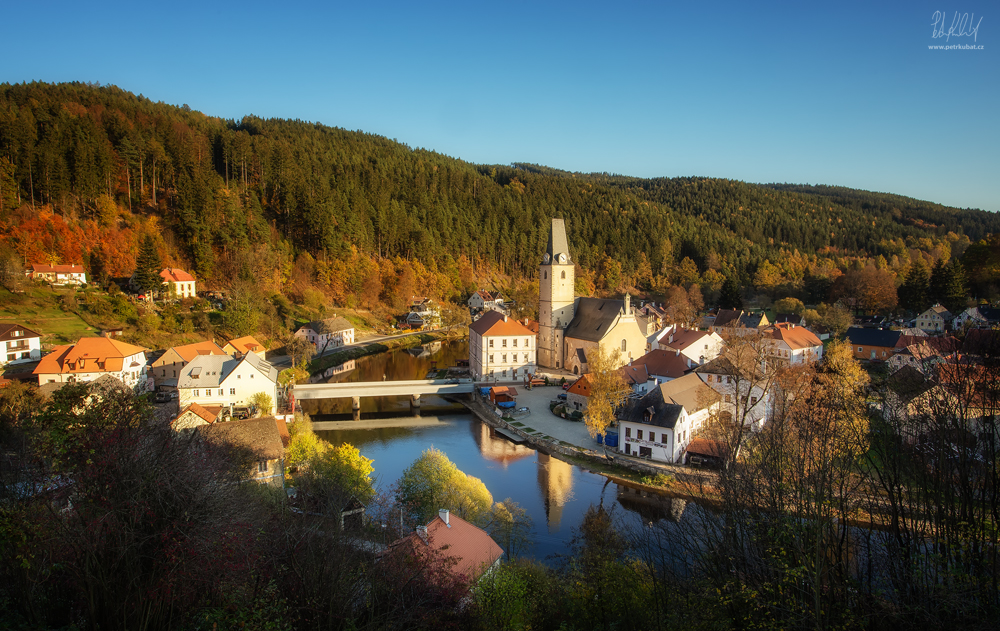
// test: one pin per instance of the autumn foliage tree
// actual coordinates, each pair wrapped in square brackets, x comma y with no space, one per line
[608,390]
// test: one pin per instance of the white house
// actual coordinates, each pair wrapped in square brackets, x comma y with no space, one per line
[697,346]
[91,358]
[482,300]
[795,345]
[981,316]
[59,274]
[227,381]
[326,333]
[20,344]
[660,424]
[501,348]
[179,283]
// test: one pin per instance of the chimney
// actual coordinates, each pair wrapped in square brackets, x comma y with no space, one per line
[444,514]
[505,317]
[677,352]
[422,533]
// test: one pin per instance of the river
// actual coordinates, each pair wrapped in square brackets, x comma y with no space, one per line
[555,494]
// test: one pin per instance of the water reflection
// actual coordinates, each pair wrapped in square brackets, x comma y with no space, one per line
[496,448]
[651,506]
[555,481]
[424,351]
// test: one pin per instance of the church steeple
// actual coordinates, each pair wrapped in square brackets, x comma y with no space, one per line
[556,296]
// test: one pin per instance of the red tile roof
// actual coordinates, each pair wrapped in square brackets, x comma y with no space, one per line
[470,547]
[58,269]
[493,323]
[174,275]
[190,351]
[97,354]
[795,336]
[246,344]
[664,363]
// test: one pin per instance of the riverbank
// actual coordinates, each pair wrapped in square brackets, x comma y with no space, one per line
[667,480]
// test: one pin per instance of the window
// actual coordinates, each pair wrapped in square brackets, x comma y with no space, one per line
[729,398]
[504,343]
[232,391]
[545,275]
[525,358]
[753,401]
[491,343]
[628,432]
[861,349]
[664,438]
[515,343]
[262,466]
[639,434]
[504,358]
[563,275]
[221,392]
[491,360]
[623,346]
[729,379]
[251,375]
[195,393]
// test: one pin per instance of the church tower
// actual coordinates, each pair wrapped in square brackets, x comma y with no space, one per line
[556,297]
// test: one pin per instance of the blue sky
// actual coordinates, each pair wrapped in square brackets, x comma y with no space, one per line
[762,92]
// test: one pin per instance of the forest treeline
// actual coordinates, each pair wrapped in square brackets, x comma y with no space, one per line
[87,171]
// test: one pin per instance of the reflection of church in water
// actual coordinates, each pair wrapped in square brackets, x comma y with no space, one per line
[555,477]
[555,481]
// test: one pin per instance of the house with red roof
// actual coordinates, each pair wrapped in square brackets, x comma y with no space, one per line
[578,394]
[795,345]
[482,300]
[179,283]
[244,345]
[195,415]
[697,346]
[664,364]
[58,274]
[450,544]
[501,348]
[91,358]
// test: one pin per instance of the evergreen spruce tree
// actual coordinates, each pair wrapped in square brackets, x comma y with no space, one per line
[913,292]
[938,283]
[956,290]
[148,266]
[730,297]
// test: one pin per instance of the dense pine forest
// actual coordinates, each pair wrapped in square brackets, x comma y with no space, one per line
[87,171]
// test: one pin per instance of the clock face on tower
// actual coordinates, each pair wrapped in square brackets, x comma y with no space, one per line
[562,258]
[545,259]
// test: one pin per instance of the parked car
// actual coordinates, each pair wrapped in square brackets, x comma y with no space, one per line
[566,385]
[162,397]
[561,396]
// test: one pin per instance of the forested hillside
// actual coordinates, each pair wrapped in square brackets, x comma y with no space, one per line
[87,171]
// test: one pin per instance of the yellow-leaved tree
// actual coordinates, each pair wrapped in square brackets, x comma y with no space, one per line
[325,468]
[608,390]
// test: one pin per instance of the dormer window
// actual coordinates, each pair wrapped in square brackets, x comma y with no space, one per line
[83,362]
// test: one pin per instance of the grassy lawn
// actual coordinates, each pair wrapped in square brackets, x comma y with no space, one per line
[39,309]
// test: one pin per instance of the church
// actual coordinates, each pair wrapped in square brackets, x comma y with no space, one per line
[570,327]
